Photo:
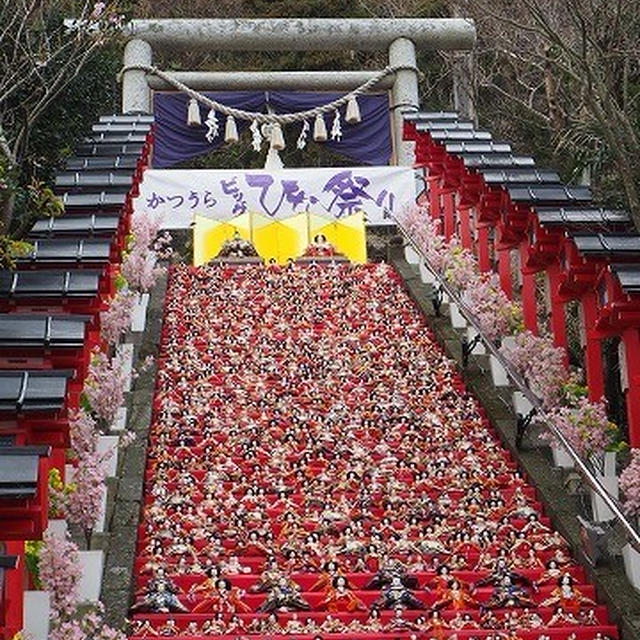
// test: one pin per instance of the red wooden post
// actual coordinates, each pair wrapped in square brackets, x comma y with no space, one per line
[449,210]
[434,197]
[57,460]
[631,338]
[466,239]
[484,256]
[14,590]
[504,271]
[558,314]
[529,303]
[593,354]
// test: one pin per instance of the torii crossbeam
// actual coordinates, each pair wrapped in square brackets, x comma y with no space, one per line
[399,36]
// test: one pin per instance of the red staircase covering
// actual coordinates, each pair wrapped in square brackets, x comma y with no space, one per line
[317,468]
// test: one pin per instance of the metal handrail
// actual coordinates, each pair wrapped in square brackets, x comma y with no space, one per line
[583,469]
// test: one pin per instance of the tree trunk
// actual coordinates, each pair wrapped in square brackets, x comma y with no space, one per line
[7,206]
[630,183]
[551,93]
[6,213]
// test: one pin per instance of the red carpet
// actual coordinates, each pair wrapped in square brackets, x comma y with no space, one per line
[317,468]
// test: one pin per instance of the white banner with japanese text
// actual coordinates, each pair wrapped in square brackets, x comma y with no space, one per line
[177,195]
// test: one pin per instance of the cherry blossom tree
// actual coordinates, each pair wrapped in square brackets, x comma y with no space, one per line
[460,268]
[59,572]
[146,245]
[116,319]
[585,425]
[89,626]
[83,431]
[81,505]
[493,311]
[426,232]
[630,484]
[104,387]
[541,364]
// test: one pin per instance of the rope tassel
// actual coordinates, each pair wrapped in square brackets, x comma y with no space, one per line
[319,129]
[353,111]
[277,138]
[230,130]
[193,114]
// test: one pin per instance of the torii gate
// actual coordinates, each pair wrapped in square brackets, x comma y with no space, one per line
[399,36]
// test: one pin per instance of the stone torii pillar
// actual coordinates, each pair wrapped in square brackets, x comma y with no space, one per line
[400,37]
[402,53]
[136,96]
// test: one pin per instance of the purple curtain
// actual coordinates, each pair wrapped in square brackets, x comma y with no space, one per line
[368,142]
[175,141]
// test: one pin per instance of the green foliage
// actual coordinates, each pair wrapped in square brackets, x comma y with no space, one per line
[54,81]
[572,391]
[572,394]
[69,118]
[120,282]
[617,444]
[54,137]
[44,203]
[85,404]
[59,493]
[32,200]
[11,250]
[32,550]
[8,180]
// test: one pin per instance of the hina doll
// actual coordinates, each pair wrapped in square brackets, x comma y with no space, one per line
[566,595]
[143,629]
[455,596]
[159,596]
[395,594]
[390,569]
[284,596]
[339,598]
[508,594]
[330,571]
[398,623]
[224,598]
[561,618]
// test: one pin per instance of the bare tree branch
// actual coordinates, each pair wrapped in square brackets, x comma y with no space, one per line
[39,57]
[572,65]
